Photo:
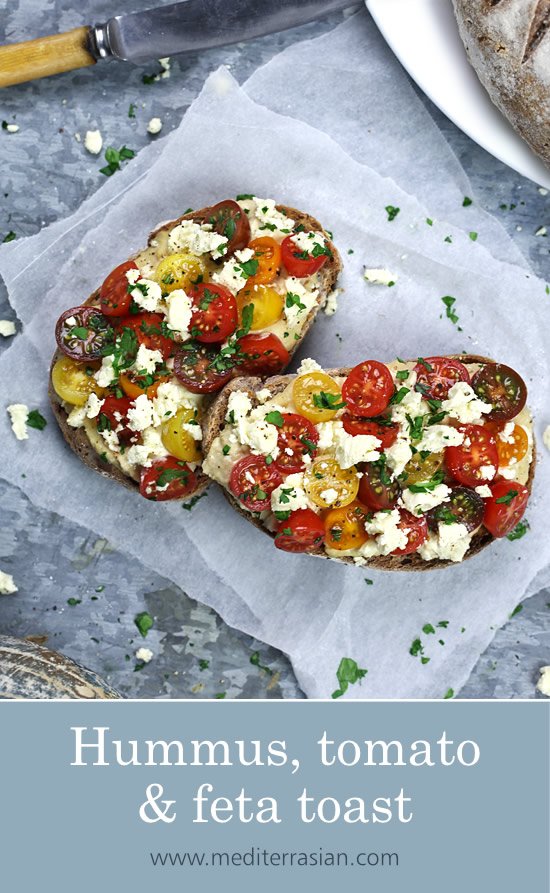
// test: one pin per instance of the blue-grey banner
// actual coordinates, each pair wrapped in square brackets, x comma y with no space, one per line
[169,796]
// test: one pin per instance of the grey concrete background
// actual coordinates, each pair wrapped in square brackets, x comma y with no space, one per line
[45,173]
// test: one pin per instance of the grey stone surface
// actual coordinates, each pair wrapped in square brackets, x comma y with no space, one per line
[44,174]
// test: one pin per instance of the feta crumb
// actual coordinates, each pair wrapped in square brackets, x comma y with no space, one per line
[196,238]
[331,304]
[351,449]
[77,417]
[238,407]
[147,360]
[419,503]
[154,126]
[165,65]
[290,496]
[232,275]
[150,448]
[93,142]
[265,219]
[263,395]
[7,585]
[451,543]
[326,435]
[144,655]
[105,375]
[308,365]
[180,311]
[484,491]
[389,536]
[464,404]
[543,685]
[329,496]
[260,436]
[142,414]
[93,406]
[541,231]
[132,275]
[306,241]
[487,472]
[437,437]
[18,413]
[379,276]
[398,455]
[147,294]
[543,191]
[507,433]
[12,128]
[7,328]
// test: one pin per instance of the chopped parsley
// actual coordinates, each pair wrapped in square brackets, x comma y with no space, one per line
[324,400]
[132,110]
[392,212]
[449,302]
[473,236]
[275,418]
[172,474]
[402,375]
[226,449]
[516,610]
[114,158]
[466,202]
[519,530]
[9,237]
[193,501]
[507,498]
[448,694]
[248,268]
[203,664]
[144,623]
[348,673]
[35,419]
[73,602]
[293,300]
[428,486]
[244,197]
[399,395]
[255,661]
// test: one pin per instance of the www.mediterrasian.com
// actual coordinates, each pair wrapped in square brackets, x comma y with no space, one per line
[256,858]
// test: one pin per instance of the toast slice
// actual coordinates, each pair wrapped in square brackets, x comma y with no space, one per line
[103,461]
[215,421]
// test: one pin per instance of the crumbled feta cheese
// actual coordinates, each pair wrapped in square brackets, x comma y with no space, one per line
[132,275]
[154,126]
[18,414]
[7,584]
[180,311]
[144,655]
[171,396]
[260,436]
[7,328]
[380,276]
[265,219]
[111,440]
[142,414]
[436,438]
[93,406]
[411,405]
[105,375]
[507,433]
[329,496]
[326,434]
[450,543]
[543,685]
[238,406]
[464,404]
[307,297]
[308,365]
[12,128]
[541,231]
[290,496]
[147,294]
[351,449]
[546,437]
[147,360]
[307,241]
[487,472]
[397,455]
[76,417]
[385,527]
[196,238]
[232,275]
[419,503]
[93,142]
[507,472]
[484,491]
[331,304]
[148,450]
[263,396]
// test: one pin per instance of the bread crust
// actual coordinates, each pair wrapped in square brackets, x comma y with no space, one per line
[508,45]
[77,438]
[215,420]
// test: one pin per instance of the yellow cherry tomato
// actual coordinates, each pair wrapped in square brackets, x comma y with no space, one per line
[516,449]
[74,382]
[314,393]
[267,254]
[133,386]
[180,271]
[345,527]
[179,442]
[419,470]
[268,305]
[324,476]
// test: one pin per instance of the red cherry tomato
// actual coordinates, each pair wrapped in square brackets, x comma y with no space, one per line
[381,428]
[215,315]
[167,479]
[253,481]
[376,489]
[262,354]
[503,388]
[478,451]
[114,297]
[368,389]
[298,437]
[302,532]
[113,414]
[302,263]
[82,333]
[416,530]
[197,366]
[228,219]
[149,330]
[437,375]
[505,508]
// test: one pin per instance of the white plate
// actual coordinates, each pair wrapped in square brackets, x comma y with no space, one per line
[424,36]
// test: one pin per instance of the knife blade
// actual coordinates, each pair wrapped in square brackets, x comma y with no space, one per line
[202,24]
[188,26]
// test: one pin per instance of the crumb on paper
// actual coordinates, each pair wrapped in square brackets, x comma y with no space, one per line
[7,328]
[78,138]
[543,685]
[18,413]
[546,437]
[379,276]
[144,654]
[541,231]
[543,191]
[331,303]
[93,142]
[12,128]
[154,126]
[7,585]
[165,65]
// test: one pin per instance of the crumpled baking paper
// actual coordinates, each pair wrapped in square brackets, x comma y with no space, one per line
[316,611]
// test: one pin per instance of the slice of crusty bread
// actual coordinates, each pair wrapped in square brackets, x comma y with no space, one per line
[77,437]
[214,421]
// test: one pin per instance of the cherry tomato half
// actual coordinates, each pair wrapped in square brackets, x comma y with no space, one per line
[114,297]
[149,331]
[134,385]
[368,389]
[167,479]
[113,414]
[315,395]
[267,254]
[82,333]
[302,532]
[513,451]
[503,388]
[200,368]
[478,451]
[437,375]
[416,530]
[302,264]
[382,428]
[297,438]
[74,382]
[376,488]
[228,219]
[345,527]
[215,315]
[262,354]
[253,481]
[505,508]
[464,506]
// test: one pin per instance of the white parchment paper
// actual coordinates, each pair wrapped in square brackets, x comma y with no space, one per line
[314,610]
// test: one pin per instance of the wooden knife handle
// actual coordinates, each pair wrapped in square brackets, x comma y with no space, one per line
[20,62]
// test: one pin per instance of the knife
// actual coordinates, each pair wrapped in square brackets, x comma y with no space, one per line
[183,27]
